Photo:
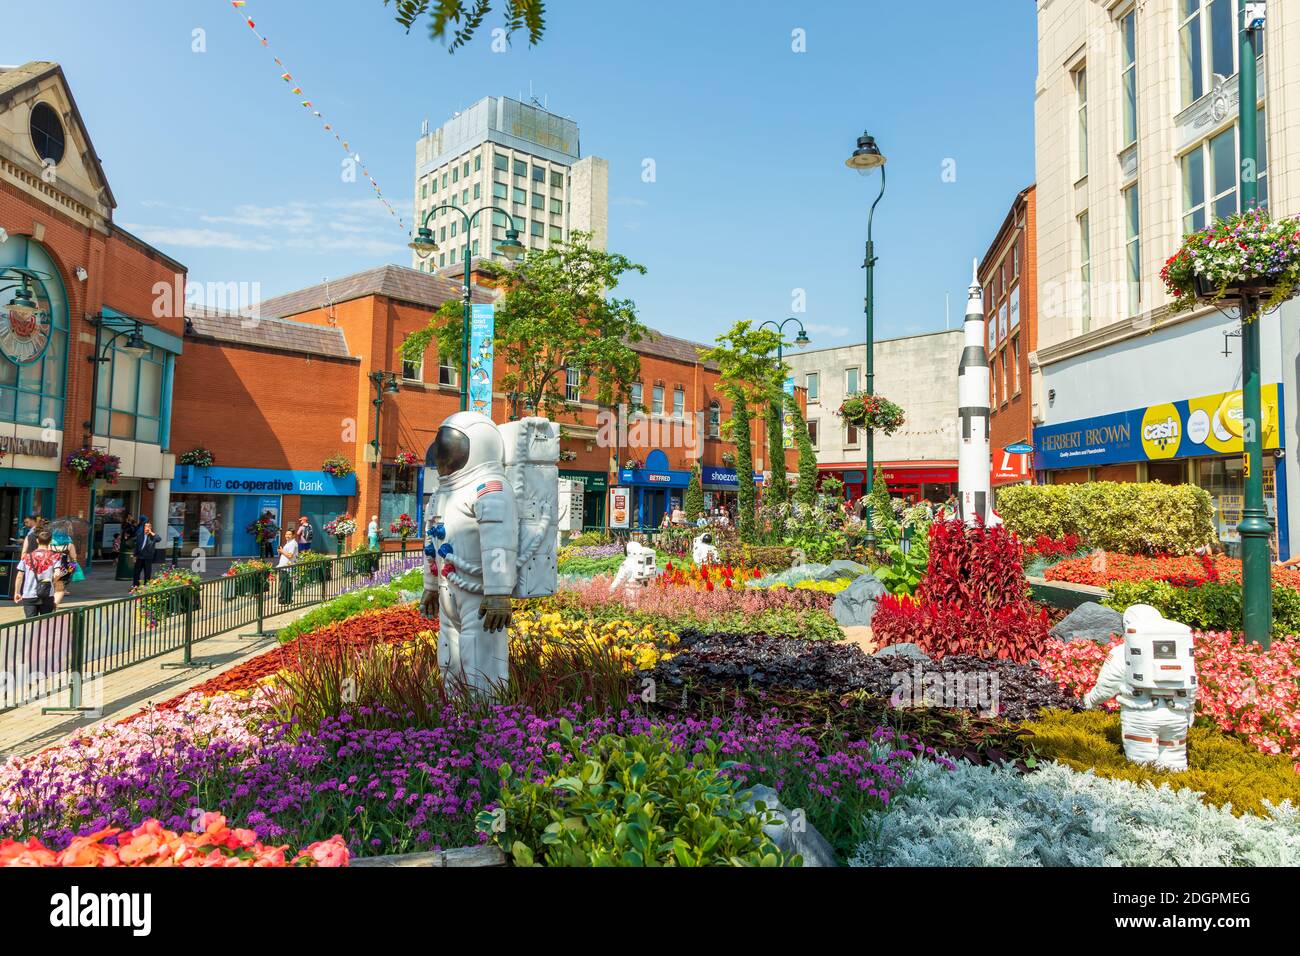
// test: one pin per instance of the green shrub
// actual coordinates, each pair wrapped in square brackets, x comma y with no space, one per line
[630,801]
[1214,606]
[1226,769]
[354,602]
[1130,517]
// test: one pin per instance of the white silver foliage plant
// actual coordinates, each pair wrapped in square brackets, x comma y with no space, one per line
[993,816]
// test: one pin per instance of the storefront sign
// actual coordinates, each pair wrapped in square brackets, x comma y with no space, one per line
[28,446]
[1014,302]
[659,479]
[261,481]
[620,507]
[723,479]
[1191,428]
[482,321]
[1011,466]
[25,329]
[593,482]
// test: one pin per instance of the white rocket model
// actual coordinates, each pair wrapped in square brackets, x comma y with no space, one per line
[974,460]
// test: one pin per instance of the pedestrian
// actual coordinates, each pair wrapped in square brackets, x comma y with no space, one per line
[270,534]
[129,529]
[284,568]
[372,532]
[304,534]
[146,550]
[69,568]
[29,533]
[34,581]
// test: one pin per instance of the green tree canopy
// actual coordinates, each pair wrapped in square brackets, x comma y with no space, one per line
[462,18]
[556,314]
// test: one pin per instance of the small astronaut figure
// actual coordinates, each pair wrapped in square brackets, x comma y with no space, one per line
[472,541]
[638,568]
[1154,676]
[703,551]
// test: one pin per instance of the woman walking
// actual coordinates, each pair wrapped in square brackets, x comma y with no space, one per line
[372,532]
[288,554]
[69,564]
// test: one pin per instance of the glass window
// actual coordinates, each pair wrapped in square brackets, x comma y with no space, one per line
[424,189]
[520,168]
[465,168]
[1261,158]
[556,234]
[539,201]
[129,400]
[446,372]
[812,382]
[539,174]
[1189,48]
[1085,272]
[1013,370]
[476,190]
[1081,122]
[812,431]
[444,180]
[500,191]
[658,407]
[1223,37]
[396,497]
[1129,77]
[1193,169]
[478,162]
[455,174]
[413,371]
[634,398]
[1133,249]
[851,435]
[850,381]
[475,248]
[520,196]
[715,419]
[464,195]
[536,228]
[679,401]
[557,207]
[453,228]
[572,384]
[1223,174]
[499,161]
[557,178]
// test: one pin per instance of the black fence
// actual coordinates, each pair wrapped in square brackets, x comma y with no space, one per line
[44,656]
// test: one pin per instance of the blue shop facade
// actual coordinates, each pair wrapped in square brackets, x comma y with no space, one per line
[212,508]
[656,489]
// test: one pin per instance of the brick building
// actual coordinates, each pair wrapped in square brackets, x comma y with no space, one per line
[302,380]
[1009,276]
[75,287]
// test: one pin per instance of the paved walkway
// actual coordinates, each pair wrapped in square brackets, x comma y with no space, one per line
[25,729]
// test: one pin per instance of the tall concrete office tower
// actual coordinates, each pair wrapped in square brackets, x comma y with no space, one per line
[974,461]
[516,156]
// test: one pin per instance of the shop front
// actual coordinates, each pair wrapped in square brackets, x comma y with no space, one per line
[935,483]
[721,485]
[217,509]
[1188,441]
[653,491]
[595,489]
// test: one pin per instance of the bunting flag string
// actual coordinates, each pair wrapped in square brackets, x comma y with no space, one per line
[296,90]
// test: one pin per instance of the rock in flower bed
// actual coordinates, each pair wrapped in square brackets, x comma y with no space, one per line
[1006,688]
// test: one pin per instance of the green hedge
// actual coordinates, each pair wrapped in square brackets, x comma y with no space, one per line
[1209,607]
[1130,517]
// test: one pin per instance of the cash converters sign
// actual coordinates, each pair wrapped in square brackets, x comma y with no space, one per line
[1194,427]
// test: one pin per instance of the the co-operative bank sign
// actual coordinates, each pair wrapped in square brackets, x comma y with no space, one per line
[260,481]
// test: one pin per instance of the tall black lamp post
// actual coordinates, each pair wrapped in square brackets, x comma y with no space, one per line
[382,388]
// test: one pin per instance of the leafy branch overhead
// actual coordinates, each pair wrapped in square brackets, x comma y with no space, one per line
[556,314]
[462,18]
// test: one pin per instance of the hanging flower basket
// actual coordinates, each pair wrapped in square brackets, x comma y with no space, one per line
[1244,254]
[340,529]
[728,459]
[198,457]
[873,412]
[338,466]
[264,530]
[90,464]
[403,527]
[405,460]
[567,455]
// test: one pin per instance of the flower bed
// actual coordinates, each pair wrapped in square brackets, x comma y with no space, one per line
[1101,569]
[638,646]
[706,577]
[1242,688]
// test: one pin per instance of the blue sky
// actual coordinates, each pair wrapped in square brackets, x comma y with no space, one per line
[213,160]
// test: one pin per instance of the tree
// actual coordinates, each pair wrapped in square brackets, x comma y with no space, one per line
[778,489]
[806,491]
[468,15]
[881,504]
[746,360]
[695,495]
[555,316]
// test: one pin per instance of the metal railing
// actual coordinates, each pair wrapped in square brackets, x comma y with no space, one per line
[44,656]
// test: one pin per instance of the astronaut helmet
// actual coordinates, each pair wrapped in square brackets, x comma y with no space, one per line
[465,440]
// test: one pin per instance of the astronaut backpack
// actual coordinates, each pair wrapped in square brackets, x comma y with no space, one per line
[1158,655]
[531,451]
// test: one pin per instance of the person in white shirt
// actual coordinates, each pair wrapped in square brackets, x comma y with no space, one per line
[288,554]
[372,532]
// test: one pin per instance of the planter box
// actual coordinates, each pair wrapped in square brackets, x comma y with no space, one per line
[244,585]
[1206,290]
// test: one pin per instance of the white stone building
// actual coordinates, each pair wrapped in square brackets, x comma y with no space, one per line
[518,156]
[1136,143]
[918,372]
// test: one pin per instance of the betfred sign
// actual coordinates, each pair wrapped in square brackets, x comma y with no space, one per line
[1010,467]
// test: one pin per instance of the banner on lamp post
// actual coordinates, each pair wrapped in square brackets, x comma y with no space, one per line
[482,322]
[787,414]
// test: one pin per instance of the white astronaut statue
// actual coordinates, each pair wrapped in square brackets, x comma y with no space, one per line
[1154,676]
[473,539]
[638,568]
[703,551]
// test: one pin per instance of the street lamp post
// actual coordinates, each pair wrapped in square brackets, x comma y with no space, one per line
[381,389]
[1256,574]
[423,245]
[864,159]
[801,340]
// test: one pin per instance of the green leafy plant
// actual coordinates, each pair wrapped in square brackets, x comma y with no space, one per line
[871,412]
[1240,250]
[903,573]
[1215,606]
[805,491]
[694,495]
[628,801]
